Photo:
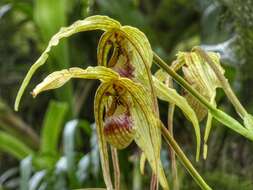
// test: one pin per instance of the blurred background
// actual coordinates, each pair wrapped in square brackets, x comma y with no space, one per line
[51,144]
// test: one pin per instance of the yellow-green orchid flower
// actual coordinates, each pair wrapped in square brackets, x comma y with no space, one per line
[128,114]
[201,77]
[170,95]
[133,106]
[127,93]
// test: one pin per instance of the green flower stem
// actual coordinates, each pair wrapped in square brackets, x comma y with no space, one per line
[217,114]
[225,85]
[184,160]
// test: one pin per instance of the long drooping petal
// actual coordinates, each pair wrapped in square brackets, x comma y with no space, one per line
[202,77]
[148,134]
[99,105]
[91,23]
[59,78]
[170,95]
[132,58]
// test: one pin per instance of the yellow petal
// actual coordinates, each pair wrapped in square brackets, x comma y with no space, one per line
[133,57]
[59,78]
[100,101]
[201,76]
[142,163]
[208,127]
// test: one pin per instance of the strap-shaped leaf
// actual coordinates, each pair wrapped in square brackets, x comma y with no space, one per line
[14,146]
[52,126]
[170,95]
[91,23]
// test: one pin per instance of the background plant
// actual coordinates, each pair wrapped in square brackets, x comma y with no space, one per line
[186,28]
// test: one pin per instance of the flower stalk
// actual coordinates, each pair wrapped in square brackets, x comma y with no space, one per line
[183,159]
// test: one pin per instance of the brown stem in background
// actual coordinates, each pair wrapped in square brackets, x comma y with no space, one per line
[14,125]
[116,168]
[81,97]
[154,182]
[171,109]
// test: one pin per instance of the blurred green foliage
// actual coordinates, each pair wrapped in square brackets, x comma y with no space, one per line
[65,153]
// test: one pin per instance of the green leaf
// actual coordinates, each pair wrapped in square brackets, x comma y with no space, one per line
[85,126]
[52,127]
[8,175]
[13,146]
[49,17]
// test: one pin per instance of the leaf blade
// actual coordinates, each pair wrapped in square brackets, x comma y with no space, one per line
[13,146]
[52,126]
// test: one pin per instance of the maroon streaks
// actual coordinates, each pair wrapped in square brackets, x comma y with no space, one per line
[119,131]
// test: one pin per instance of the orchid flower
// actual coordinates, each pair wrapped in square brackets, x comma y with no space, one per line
[201,77]
[130,112]
[125,105]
